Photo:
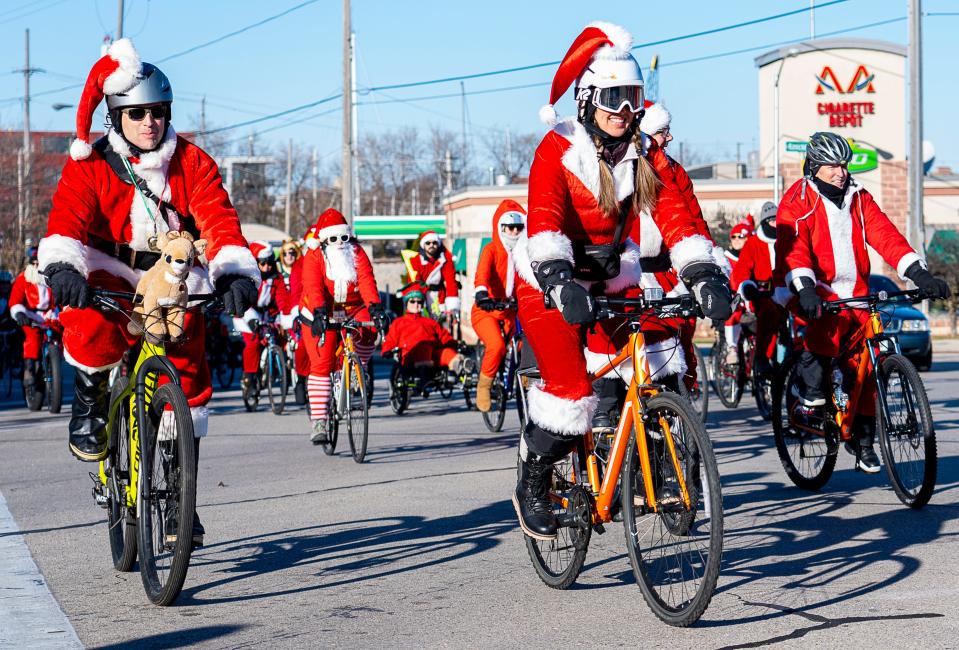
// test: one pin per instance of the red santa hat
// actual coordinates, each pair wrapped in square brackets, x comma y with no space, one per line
[330,224]
[741,228]
[413,290]
[262,250]
[429,235]
[600,40]
[655,119]
[116,72]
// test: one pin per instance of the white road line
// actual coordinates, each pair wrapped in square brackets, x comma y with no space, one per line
[29,615]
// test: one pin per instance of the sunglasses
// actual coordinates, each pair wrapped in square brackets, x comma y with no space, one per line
[338,238]
[414,301]
[740,237]
[139,113]
[288,253]
[265,262]
[517,227]
[663,132]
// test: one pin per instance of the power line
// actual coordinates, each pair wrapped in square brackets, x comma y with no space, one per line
[31,12]
[272,116]
[239,31]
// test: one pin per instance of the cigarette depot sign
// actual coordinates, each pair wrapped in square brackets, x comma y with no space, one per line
[845,113]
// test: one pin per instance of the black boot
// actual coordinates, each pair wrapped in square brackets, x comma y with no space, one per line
[811,373]
[610,393]
[31,372]
[88,421]
[539,450]
[864,434]
[250,383]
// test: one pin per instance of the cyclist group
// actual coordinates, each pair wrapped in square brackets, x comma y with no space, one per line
[610,213]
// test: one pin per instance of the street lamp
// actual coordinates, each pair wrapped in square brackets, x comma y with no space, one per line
[777,178]
[59,107]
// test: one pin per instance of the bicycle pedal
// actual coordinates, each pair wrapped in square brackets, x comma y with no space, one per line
[99,495]
[599,528]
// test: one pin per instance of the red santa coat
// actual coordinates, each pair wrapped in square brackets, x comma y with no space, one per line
[439,275]
[327,286]
[826,244]
[31,298]
[417,336]
[756,262]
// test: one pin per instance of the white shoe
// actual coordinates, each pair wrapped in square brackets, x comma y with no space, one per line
[319,432]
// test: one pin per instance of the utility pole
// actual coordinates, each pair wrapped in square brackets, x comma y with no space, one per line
[120,20]
[509,156]
[202,120]
[812,20]
[914,222]
[289,185]
[27,148]
[346,175]
[20,198]
[315,171]
[463,115]
[355,171]
[449,172]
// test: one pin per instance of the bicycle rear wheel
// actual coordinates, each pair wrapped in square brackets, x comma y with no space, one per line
[497,412]
[807,456]
[55,375]
[558,562]
[762,387]
[276,379]
[675,551]
[358,420]
[699,395]
[908,440]
[121,521]
[726,381]
[399,391]
[167,495]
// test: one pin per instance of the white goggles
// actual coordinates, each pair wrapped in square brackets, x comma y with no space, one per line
[614,99]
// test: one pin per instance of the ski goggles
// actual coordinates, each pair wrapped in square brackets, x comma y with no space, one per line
[614,99]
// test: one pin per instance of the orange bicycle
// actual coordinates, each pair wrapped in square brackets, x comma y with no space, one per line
[907,438]
[658,469]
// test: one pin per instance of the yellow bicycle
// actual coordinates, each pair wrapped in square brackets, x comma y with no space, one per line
[147,481]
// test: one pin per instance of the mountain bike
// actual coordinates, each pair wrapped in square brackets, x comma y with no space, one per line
[348,398]
[407,382]
[50,371]
[661,464]
[699,395]
[272,372]
[505,382]
[907,437]
[147,481]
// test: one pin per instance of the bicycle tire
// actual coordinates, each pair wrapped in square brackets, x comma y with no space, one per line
[520,395]
[358,415]
[121,523]
[332,424]
[276,386]
[558,562]
[33,396]
[762,389]
[55,389]
[913,478]
[700,395]
[495,417]
[811,475]
[658,565]
[399,391]
[172,465]
[251,395]
[726,382]
[468,396]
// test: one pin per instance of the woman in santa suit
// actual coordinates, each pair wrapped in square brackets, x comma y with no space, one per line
[738,236]
[272,302]
[434,267]
[31,301]
[495,282]
[338,281]
[588,183]
[114,197]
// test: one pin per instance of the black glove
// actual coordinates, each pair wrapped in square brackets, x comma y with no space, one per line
[484,302]
[22,319]
[318,326]
[810,304]
[253,324]
[710,286]
[378,314]
[750,291]
[70,288]
[237,292]
[555,277]
[931,286]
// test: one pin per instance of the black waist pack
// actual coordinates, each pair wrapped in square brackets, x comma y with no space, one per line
[596,262]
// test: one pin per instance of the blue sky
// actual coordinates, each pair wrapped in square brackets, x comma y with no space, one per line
[296,59]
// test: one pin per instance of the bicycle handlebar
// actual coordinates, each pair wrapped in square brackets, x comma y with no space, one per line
[870,300]
[686,304]
[108,299]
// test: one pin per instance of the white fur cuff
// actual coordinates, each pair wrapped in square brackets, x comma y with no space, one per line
[792,278]
[567,417]
[56,249]
[549,245]
[905,262]
[234,260]
[452,303]
[689,250]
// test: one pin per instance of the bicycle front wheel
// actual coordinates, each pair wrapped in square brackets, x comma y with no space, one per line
[167,498]
[908,439]
[276,379]
[762,387]
[675,550]
[358,420]
[726,381]
[55,375]
[497,412]
[121,522]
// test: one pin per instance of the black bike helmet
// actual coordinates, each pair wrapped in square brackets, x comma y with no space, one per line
[826,148]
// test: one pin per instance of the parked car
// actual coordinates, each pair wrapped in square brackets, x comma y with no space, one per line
[909,324]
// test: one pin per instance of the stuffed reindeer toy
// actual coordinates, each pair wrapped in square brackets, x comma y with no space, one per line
[161,296]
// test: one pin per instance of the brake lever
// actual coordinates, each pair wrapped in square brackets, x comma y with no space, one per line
[107,303]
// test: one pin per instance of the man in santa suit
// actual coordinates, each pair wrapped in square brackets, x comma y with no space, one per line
[113,199]
[422,343]
[752,278]
[824,223]
[31,301]
[738,235]
[338,282]
[434,267]
[272,302]
[494,283]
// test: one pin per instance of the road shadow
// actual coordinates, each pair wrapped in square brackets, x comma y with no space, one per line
[176,639]
[433,448]
[348,553]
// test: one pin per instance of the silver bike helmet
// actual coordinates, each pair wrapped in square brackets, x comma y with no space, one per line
[826,148]
[153,88]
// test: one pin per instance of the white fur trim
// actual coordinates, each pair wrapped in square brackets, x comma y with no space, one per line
[55,249]
[80,150]
[622,40]
[666,358]
[547,115]
[240,324]
[234,260]
[332,231]
[452,303]
[905,262]
[201,420]
[596,360]
[650,237]
[655,119]
[732,333]
[843,250]
[630,269]
[549,245]
[792,277]
[580,157]
[746,283]
[762,236]
[567,417]
[88,369]
[127,74]
[689,250]
[722,260]
[479,288]
[29,313]
[430,237]
[198,281]
[97,260]
[524,267]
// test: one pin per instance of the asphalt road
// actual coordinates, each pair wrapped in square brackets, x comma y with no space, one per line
[420,546]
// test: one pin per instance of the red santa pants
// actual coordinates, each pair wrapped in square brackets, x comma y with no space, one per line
[666,353]
[827,335]
[769,316]
[563,403]
[251,352]
[323,356]
[32,342]
[487,327]
[94,340]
